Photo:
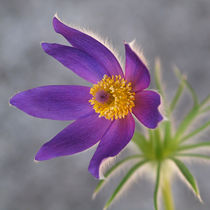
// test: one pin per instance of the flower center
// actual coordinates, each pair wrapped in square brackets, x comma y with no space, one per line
[113,97]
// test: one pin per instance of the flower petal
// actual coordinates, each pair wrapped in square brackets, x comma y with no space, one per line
[56,102]
[146,108]
[116,138]
[135,70]
[78,61]
[89,45]
[78,136]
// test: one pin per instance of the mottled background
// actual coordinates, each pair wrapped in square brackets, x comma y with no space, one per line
[177,31]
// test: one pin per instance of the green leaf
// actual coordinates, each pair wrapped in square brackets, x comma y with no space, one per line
[194,95]
[196,131]
[188,176]
[186,123]
[167,134]
[178,94]
[123,182]
[158,75]
[152,138]
[158,142]
[205,101]
[206,109]
[114,168]
[193,146]
[194,155]
[157,183]
[139,140]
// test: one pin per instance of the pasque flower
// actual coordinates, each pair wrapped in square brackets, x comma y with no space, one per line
[102,112]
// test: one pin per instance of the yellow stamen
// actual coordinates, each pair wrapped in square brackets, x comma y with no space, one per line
[113,97]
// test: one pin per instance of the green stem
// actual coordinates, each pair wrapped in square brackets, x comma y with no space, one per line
[167,195]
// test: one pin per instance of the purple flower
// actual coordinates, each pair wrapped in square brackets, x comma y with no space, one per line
[101,113]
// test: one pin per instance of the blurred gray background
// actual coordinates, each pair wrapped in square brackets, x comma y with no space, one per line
[177,31]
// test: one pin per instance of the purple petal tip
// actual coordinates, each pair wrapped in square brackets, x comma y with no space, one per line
[44,46]
[55,23]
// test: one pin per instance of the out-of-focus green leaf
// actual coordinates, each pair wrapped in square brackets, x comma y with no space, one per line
[194,95]
[157,183]
[205,101]
[113,169]
[178,94]
[188,176]
[158,142]
[196,131]
[123,182]
[194,155]
[186,123]
[152,138]
[206,109]
[139,140]
[193,146]
[158,79]
[167,133]
[146,146]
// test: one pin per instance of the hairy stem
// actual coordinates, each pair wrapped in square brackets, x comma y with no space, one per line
[167,195]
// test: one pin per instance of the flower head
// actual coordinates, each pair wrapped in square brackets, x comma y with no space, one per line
[113,97]
[101,113]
